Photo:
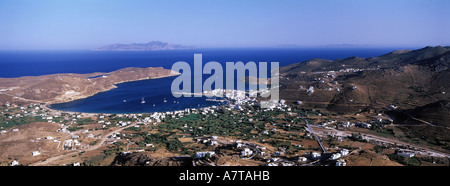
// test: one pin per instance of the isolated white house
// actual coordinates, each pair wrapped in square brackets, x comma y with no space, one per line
[35,153]
[246,152]
[14,163]
[335,156]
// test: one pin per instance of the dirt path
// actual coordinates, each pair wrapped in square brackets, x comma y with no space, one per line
[23,99]
[74,152]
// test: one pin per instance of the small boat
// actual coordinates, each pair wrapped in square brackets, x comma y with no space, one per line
[124,100]
[143,101]
[165,100]
[153,104]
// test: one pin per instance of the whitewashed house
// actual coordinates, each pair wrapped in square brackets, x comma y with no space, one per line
[14,163]
[335,156]
[341,162]
[406,154]
[302,159]
[35,153]
[315,155]
[344,152]
[246,152]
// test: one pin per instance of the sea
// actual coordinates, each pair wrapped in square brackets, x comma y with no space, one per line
[153,95]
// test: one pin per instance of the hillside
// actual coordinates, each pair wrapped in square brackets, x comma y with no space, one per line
[390,60]
[58,88]
[405,79]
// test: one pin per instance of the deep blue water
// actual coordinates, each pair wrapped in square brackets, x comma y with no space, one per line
[34,63]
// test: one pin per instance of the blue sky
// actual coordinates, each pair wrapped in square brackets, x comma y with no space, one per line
[64,24]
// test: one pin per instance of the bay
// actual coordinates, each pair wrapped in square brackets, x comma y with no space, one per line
[127,98]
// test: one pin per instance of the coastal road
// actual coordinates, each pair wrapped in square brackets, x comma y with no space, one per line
[74,152]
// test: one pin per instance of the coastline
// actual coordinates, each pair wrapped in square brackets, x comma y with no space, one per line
[47,104]
[62,90]
[111,88]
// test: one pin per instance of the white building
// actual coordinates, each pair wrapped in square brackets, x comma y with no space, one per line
[406,154]
[341,162]
[315,155]
[344,152]
[302,159]
[246,152]
[214,143]
[35,153]
[335,156]
[204,154]
[14,163]
[310,90]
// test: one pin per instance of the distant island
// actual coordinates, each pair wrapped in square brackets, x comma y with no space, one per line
[150,46]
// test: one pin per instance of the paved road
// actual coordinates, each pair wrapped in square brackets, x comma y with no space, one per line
[388,141]
[315,135]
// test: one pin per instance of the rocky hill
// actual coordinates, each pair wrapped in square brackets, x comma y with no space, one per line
[405,79]
[58,88]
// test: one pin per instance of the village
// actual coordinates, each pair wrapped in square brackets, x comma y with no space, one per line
[237,133]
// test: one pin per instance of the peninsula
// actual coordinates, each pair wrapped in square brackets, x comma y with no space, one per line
[58,88]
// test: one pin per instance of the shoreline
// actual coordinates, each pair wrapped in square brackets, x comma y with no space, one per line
[62,88]
[47,104]
[111,88]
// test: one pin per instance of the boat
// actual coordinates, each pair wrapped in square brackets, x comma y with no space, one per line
[143,101]
[124,100]
[165,100]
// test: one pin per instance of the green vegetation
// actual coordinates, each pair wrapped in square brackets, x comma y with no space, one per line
[413,161]
[5,122]
[134,129]
[169,141]
[113,150]
[84,121]
[74,128]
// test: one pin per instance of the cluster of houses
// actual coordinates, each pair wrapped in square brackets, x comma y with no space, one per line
[71,144]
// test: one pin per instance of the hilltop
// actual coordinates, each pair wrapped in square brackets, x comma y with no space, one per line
[150,46]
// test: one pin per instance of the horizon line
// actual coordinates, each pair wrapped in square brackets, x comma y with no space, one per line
[280,46]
